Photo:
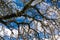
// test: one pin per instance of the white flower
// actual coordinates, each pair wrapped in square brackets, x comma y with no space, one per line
[45,22]
[58,38]
[7,32]
[39,28]
[35,2]
[15,33]
[0,27]
[1,33]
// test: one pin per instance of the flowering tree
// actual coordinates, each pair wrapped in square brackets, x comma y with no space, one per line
[29,20]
